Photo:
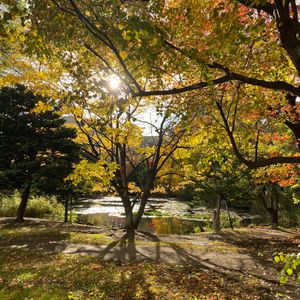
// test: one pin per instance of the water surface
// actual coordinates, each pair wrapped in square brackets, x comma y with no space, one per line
[158,225]
[109,212]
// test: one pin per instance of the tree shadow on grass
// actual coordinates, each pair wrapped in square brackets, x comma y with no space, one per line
[11,223]
[150,248]
[46,239]
[250,264]
[260,248]
[83,277]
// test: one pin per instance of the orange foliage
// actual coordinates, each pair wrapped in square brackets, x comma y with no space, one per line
[284,175]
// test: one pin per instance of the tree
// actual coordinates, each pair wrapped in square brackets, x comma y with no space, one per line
[36,149]
[118,153]
[18,64]
[193,47]
[273,189]
[214,172]
[257,138]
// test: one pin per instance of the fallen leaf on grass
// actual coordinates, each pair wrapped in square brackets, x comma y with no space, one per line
[96,266]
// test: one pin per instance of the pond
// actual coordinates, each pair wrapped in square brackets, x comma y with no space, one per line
[109,212]
[158,225]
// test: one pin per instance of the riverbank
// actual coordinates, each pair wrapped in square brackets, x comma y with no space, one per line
[239,259]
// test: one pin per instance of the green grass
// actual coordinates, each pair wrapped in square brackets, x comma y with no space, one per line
[50,234]
[38,207]
[31,233]
[36,275]
[53,234]
[90,238]
[155,213]
[208,217]
[26,274]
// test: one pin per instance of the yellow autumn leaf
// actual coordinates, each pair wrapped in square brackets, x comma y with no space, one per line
[41,107]
[123,54]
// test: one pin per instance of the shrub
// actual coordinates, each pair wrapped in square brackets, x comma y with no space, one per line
[154,213]
[291,269]
[38,207]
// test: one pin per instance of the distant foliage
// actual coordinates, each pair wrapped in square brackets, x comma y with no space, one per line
[38,207]
[289,211]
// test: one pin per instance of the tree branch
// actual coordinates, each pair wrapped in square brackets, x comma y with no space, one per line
[170,173]
[106,40]
[266,7]
[92,50]
[260,162]
[272,85]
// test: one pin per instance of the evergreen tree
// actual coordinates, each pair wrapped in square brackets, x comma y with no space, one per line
[36,149]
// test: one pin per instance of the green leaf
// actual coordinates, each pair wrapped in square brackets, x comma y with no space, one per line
[283,279]
[276,259]
[289,271]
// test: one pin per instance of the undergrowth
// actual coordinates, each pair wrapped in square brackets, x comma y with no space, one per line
[38,207]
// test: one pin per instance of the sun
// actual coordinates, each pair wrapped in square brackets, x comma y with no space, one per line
[114,82]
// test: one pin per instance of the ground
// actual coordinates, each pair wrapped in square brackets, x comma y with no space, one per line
[50,260]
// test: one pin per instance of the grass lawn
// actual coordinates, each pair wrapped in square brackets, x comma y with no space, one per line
[28,275]
[37,274]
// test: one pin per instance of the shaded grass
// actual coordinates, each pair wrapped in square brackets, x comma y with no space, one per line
[25,274]
[37,275]
[20,233]
[53,234]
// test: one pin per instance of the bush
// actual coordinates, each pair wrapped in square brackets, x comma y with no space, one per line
[208,216]
[38,207]
[290,270]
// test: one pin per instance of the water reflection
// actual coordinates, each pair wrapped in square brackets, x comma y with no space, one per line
[113,206]
[158,225]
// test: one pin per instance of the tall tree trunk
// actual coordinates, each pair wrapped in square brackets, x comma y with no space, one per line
[66,209]
[274,218]
[128,208]
[272,209]
[295,127]
[23,204]
[289,37]
[228,213]
[140,212]
[128,216]
[216,216]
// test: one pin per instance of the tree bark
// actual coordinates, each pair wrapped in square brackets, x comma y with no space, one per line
[140,212]
[66,209]
[216,216]
[272,209]
[23,204]
[289,39]
[128,216]
[295,127]
[274,213]
[228,213]
[274,218]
